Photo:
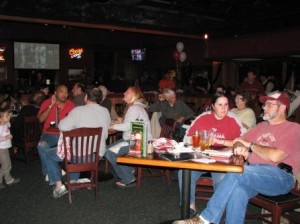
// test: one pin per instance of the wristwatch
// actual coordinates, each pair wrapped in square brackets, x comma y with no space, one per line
[250,147]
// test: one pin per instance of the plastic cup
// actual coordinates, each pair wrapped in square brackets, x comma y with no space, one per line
[204,140]
[195,140]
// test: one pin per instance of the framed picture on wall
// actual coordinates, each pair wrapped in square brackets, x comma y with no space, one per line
[76,75]
[3,72]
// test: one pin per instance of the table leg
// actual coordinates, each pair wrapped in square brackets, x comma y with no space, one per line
[185,194]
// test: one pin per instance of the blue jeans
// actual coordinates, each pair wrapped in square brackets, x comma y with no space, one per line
[236,189]
[53,167]
[195,175]
[47,141]
[124,173]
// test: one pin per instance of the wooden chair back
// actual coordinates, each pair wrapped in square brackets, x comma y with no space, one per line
[204,187]
[83,145]
[32,134]
[168,128]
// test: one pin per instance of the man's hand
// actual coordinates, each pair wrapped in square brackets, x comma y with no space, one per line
[240,149]
[180,119]
[53,100]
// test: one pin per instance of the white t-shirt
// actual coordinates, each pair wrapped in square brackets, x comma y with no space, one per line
[4,131]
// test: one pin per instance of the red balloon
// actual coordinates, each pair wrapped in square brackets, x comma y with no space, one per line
[176,55]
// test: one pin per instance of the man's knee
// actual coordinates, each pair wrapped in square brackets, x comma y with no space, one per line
[42,143]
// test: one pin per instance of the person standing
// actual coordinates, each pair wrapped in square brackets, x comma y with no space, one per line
[5,144]
[255,88]
[252,85]
[52,110]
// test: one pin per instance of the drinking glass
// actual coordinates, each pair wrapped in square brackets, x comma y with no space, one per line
[195,140]
[204,139]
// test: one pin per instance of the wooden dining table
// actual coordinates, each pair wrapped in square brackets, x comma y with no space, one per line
[235,164]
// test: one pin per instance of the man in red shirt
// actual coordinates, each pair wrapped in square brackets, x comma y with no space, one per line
[252,85]
[255,88]
[52,110]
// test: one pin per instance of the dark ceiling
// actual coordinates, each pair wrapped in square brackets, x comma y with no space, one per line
[218,18]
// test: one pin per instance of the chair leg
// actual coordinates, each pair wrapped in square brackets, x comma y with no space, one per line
[94,179]
[70,196]
[106,166]
[139,176]
[276,214]
[168,176]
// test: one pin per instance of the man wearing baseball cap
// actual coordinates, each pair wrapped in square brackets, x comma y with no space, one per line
[272,149]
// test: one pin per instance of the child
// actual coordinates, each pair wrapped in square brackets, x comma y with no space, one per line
[5,144]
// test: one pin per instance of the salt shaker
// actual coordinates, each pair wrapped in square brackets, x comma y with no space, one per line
[149,147]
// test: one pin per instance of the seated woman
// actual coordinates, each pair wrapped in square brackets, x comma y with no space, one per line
[225,127]
[136,110]
[243,111]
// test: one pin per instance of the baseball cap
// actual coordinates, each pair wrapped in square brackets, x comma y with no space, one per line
[280,96]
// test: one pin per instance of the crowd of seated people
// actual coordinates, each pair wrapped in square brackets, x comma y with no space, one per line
[228,123]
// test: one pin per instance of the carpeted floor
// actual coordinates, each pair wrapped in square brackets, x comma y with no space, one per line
[31,202]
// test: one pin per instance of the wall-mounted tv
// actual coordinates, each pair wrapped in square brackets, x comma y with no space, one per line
[36,55]
[138,54]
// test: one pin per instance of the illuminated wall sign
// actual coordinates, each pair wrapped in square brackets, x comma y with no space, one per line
[75,53]
[2,59]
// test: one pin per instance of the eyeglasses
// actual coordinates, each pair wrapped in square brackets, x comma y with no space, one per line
[269,105]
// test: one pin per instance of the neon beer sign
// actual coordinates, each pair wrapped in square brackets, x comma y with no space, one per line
[76,53]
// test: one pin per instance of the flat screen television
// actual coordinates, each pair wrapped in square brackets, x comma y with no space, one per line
[36,56]
[138,54]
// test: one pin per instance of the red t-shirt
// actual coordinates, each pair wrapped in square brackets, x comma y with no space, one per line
[284,136]
[227,128]
[255,88]
[63,112]
[166,83]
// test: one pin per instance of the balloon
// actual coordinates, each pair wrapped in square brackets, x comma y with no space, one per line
[179,46]
[182,56]
[176,55]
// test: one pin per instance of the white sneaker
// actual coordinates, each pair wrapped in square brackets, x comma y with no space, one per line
[47,178]
[57,193]
[84,180]
[63,173]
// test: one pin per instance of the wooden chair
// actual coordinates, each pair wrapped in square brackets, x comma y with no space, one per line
[204,187]
[278,206]
[167,131]
[84,145]
[32,133]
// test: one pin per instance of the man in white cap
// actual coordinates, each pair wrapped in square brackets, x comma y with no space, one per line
[272,149]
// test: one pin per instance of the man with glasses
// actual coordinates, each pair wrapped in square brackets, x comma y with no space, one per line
[272,149]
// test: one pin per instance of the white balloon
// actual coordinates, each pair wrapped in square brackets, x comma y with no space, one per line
[182,56]
[179,46]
